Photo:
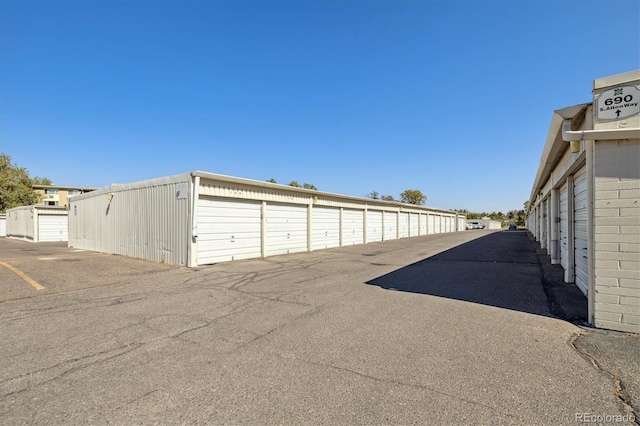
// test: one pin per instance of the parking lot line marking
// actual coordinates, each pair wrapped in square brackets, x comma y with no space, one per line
[22,275]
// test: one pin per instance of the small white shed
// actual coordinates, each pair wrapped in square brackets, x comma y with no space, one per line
[202,218]
[37,223]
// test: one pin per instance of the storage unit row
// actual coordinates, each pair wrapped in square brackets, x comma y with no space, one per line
[584,206]
[201,218]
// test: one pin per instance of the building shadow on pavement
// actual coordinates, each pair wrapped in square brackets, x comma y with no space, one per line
[504,269]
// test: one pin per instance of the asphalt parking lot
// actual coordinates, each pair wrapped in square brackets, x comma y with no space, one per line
[59,269]
[442,329]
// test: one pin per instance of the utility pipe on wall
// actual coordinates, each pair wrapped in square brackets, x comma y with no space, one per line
[602,135]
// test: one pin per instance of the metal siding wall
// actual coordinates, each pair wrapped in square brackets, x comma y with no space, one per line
[3,227]
[232,190]
[146,222]
[423,224]
[20,223]
[85,224]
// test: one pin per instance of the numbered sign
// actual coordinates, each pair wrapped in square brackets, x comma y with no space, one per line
[618,103]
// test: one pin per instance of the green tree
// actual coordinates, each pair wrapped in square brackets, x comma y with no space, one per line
[41,181]
[309,186]
[272,180]
[295,184]
[387,198]
[374,195]
[15,185]
[413,196]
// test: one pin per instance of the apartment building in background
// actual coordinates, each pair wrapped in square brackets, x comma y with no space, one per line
[55,195]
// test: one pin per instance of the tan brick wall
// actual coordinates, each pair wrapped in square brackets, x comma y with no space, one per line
[617,235]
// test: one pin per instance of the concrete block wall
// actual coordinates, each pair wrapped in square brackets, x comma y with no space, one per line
[617,235]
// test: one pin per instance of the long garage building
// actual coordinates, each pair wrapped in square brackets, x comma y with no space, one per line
[202,218]
[584,207]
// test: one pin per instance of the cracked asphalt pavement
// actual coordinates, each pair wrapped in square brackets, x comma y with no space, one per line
[459,328]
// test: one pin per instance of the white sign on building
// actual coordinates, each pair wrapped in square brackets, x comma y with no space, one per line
[618,103]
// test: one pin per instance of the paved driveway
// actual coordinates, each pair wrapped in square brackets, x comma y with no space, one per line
[443,329]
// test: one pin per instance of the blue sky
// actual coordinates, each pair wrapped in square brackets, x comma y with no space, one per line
[453,98]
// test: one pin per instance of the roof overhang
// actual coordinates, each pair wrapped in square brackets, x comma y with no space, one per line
[555,146]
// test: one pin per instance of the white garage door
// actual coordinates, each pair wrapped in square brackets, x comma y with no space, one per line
[437,222]
[390,225]
[431,224]
[3,227]
[286,229]
[404,225]
[325,232]
[352,227]
[228,229]
[374,226]
[53,227]
[414,224]
[564,229]
[543,224]
[423,224]
[580,230]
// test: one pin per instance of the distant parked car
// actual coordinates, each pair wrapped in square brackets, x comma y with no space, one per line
[468,226]
[475,225]
[513,227]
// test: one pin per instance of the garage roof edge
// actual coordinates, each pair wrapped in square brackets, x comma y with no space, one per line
[311,192]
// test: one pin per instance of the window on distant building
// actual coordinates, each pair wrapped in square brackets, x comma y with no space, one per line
[73,192]
[51,191]
[51,203]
